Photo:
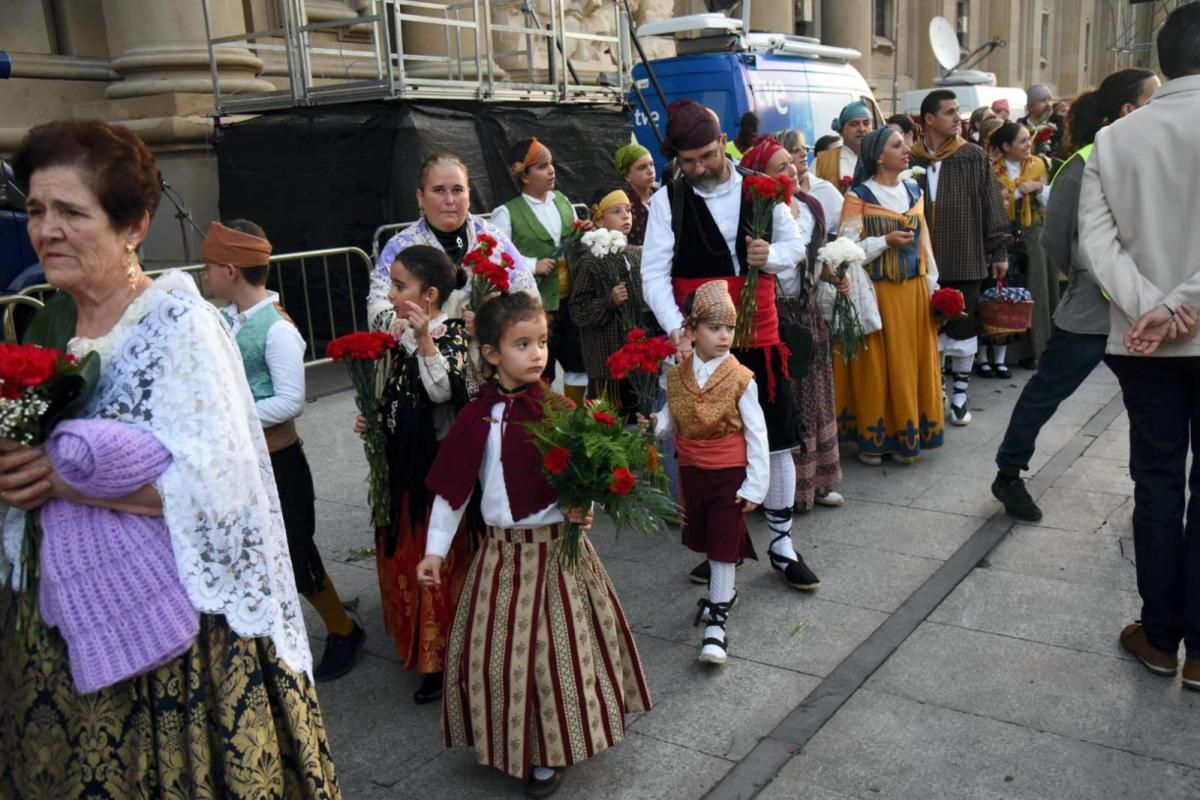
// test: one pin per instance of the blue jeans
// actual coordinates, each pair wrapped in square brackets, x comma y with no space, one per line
[1162,396]
[1067,360]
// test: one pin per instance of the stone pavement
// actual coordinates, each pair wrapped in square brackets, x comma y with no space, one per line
[948,654]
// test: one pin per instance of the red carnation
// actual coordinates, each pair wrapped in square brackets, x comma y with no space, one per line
[556,459]
[636,335]
[846,181]
[948,302]
[623,481]
[604,418]
[506,260]
[363,345]
[486,242]
[25,366]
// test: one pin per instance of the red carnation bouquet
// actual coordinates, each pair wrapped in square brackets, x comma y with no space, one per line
[38,387]
[639,361]
[369,357]
[590,458]
[487,276]
[764,194]
[947,304]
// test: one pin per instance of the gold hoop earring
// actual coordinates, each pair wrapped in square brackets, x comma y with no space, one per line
[133,267]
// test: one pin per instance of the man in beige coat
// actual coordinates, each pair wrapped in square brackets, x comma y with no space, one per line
[1139,237]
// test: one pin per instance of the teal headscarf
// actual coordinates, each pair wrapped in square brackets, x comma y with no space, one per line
[856,110]
[627,156]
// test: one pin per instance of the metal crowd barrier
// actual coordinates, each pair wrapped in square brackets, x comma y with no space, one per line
[9,303]
[312,285]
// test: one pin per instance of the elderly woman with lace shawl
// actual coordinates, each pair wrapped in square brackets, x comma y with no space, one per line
[889,398]
[444,197]
[164,652]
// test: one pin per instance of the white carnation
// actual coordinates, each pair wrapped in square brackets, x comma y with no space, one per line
[842,251]
[601,242]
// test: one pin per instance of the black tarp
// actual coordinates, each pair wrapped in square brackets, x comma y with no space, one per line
[325,177]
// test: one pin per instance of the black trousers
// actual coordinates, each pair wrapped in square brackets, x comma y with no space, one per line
[1068,359]
[1162,396]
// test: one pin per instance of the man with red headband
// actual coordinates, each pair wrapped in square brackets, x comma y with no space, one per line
[697,233]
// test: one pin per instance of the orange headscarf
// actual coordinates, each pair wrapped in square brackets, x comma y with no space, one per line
[536,152]
[224,245]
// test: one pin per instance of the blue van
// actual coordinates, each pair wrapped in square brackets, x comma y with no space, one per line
[789,81]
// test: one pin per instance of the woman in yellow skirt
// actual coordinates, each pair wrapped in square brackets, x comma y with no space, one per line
[889,398]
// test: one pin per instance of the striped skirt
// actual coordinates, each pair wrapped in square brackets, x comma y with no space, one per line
[542,666]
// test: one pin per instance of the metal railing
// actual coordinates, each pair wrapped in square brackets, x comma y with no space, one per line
[315,286]
[369,59]
[10,303]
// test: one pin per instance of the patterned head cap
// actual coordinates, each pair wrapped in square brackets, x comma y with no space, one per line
[712,304]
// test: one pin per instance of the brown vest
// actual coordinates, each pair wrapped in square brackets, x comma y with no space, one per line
[711,412]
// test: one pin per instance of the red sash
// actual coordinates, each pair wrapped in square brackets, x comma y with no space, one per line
[728,451]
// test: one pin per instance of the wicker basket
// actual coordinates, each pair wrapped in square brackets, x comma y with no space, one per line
[1002,318]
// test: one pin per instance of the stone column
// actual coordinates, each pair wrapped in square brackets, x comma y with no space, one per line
[158,47]
[772,16]
[928,69]
[847,23]
[1004,20]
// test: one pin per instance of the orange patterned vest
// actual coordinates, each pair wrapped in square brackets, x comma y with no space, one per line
[711,412]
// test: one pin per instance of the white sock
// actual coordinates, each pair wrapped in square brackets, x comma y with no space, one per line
[961,368]
[542,773]
[998,351]
[720,590]
[781,498]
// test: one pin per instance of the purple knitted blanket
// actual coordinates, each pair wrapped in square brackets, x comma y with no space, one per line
[108,578]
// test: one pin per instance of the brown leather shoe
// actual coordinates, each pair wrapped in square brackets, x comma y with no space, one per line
[1191,674]
[1133,639]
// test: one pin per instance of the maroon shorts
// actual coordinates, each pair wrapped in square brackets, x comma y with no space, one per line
[713,523]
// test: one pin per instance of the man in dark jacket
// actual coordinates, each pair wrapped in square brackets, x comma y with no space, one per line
[968,225]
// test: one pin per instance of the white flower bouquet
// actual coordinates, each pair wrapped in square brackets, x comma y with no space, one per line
[846,329]
[601,242]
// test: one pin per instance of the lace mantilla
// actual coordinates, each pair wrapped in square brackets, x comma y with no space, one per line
[170,367]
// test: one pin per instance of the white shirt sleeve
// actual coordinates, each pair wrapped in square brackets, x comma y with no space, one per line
[658,251]
[443,524]
[664,425]
[285,361]
[788,245]
[758,454]
[435,375]
[501,220]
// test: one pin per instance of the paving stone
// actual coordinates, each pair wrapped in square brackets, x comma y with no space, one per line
[1097,475]
[1085,558]
[1078,509]
[1112,445]
[960,494]
[890,747]
[865,577]
[720,711]
[890,483]
[1105,700]
[866,523]
[1039,609]
[639,767]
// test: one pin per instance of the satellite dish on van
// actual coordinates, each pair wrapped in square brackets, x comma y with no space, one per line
[945,42]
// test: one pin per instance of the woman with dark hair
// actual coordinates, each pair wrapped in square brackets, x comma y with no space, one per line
[163,486]
[444,197]
[1080,325]
[1025,187]
[539,220]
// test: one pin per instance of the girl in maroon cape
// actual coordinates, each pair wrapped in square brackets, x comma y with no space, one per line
[541,667]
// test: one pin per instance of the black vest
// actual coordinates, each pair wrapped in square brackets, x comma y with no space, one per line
[700,249]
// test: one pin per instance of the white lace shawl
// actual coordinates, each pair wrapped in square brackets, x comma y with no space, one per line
[170,367]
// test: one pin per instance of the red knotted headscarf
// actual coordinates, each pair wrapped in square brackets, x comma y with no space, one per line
[759,155]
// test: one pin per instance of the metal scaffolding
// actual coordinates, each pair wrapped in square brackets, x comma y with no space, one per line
[363,57]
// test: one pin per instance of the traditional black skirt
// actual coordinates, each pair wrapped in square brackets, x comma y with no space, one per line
[784,425]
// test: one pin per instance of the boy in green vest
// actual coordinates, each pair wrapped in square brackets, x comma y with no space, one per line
[237,257]
[541,223]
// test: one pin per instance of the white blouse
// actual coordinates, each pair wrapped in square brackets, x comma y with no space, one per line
[497,513]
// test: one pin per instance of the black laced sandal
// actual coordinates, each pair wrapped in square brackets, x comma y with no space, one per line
[795,572]
[712,649]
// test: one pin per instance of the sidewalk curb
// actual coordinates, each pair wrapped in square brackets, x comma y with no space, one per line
[764,761]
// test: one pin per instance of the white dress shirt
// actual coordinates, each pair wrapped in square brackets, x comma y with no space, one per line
[847,162]
[724,202]
[791,281]
[545,211]
[894,198]
[497,513]
[754,426]
[285,362]
[933,174]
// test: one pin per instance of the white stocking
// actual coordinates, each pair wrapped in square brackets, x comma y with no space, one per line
[781,498]
[720,590]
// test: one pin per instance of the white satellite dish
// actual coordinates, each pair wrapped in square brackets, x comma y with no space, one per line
[944,41]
